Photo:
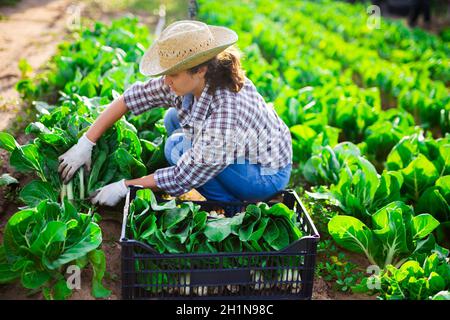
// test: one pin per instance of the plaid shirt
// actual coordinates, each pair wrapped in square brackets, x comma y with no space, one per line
[224,128]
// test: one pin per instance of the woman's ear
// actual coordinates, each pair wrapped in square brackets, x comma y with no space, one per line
[202,71]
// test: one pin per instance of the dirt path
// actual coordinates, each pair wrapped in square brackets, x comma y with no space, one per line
[29,30]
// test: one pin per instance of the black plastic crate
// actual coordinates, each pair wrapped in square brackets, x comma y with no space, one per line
[285,274]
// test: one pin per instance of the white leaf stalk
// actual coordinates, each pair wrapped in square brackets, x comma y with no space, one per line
[258,280]
[185,281]
[81,176]
[292,277]
[185,289]
[70,191]
[63,192]
[213,290]
[233,288]
[214,214]
[200,290]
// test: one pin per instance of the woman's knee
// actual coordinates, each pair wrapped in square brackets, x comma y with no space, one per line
[175,146]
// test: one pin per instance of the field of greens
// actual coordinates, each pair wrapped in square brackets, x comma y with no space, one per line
[369,114]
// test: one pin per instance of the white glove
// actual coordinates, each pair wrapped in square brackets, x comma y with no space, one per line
[110,194]
[75,157]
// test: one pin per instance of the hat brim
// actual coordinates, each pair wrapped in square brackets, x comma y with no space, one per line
[150,65]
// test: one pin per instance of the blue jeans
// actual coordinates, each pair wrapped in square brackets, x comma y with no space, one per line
[237,182]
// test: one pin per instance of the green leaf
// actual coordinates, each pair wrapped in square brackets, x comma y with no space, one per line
[403,152]
[418,175]
[260,228]
[26,158]
[7,142]
[218,229]
[444,159]
[148,195]
[282,241]
[61,291]
[180,231]
[443,183]
[353,235]
[36,191]
[87,88]
[90,239]
[128,165]
[423,225]
[15,230]
[442,295]
[272,232]
[171,217]
[436,282]
[54,231]
[434,202]
[36,128]
[148,227]
[392,225]
[388,190]
[33,277]
[98,261]
[280,210]
[6,273]
[303,133]
[251,218]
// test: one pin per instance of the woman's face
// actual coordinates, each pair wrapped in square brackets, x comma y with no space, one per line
[182,83]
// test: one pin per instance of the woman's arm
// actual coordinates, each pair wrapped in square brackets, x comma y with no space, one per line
[107,118]
[81,153]
[146,182]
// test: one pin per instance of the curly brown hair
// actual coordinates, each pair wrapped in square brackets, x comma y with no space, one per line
[224,71]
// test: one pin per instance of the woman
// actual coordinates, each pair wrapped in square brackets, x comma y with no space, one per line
[224,140]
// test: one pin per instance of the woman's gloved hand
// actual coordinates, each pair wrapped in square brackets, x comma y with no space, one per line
[110,194]
[75,157]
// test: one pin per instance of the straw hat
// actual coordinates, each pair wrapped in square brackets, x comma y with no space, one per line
[183,45]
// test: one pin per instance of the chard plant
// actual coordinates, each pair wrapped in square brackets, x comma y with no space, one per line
[394,236]
[429,280]
[324,166]
[41,242]
[422,161]
[360,190]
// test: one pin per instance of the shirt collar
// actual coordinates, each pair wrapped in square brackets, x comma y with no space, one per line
[200,110]
[187,101]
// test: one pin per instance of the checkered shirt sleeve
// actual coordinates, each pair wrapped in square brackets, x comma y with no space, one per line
[142,96]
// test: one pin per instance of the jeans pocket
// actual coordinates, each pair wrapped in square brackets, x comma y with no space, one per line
[281,179]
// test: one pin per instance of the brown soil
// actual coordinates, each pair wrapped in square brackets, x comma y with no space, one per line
[323,290]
